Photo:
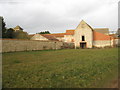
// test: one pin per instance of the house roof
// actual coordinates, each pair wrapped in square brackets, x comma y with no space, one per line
[101,36]
[70,32]
[58,34]
[18,28]
[102,30]
[49,37]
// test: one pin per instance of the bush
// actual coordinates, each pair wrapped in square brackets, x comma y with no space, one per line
[20,35]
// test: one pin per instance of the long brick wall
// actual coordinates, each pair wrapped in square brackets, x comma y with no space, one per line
[28,45]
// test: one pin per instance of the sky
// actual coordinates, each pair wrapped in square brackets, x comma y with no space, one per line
[119,14]
[57,16]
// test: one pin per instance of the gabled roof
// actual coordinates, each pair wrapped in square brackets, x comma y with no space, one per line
[85,23]
[102,30]
[70,32]
[18,28]
[49,37]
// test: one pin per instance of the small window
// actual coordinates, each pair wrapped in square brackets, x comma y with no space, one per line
[83,38]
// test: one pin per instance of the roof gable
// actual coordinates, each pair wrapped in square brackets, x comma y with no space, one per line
[83,24]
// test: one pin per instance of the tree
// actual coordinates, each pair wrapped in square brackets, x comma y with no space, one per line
[45,32]
[3,28]
[9,33]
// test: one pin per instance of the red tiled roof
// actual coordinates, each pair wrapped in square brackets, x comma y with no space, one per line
[100,36]
[70,32]
[57,34]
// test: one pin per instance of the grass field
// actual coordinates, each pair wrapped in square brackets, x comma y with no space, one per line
[85,68]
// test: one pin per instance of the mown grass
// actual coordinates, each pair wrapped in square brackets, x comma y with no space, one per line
[85,68]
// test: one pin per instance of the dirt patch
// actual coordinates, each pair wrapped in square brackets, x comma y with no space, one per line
[113,84]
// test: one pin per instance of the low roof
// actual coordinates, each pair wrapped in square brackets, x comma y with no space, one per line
[102,30]
[49,37]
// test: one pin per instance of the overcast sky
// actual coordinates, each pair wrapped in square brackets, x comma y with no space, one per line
[58,15]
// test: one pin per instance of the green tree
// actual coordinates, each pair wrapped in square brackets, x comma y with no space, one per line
[3,27]
[9,33]
[45,32]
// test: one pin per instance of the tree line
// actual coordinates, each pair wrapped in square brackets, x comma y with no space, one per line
[11,33]
[18,34]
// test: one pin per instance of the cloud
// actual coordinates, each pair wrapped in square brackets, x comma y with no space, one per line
[58,15]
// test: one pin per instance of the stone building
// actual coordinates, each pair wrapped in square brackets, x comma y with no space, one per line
[87,37]
[17,28]
[84,36]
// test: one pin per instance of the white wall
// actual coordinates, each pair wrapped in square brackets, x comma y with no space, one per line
[68,38]
[103,43]
[83,30]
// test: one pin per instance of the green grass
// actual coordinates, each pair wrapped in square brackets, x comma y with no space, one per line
[85,68]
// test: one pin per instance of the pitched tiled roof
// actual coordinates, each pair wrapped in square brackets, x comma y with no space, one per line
[102,30]
[49,37]
[70,32]
[101,36]
[57,34]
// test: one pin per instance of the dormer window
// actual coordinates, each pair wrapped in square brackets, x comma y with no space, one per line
[83,38]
